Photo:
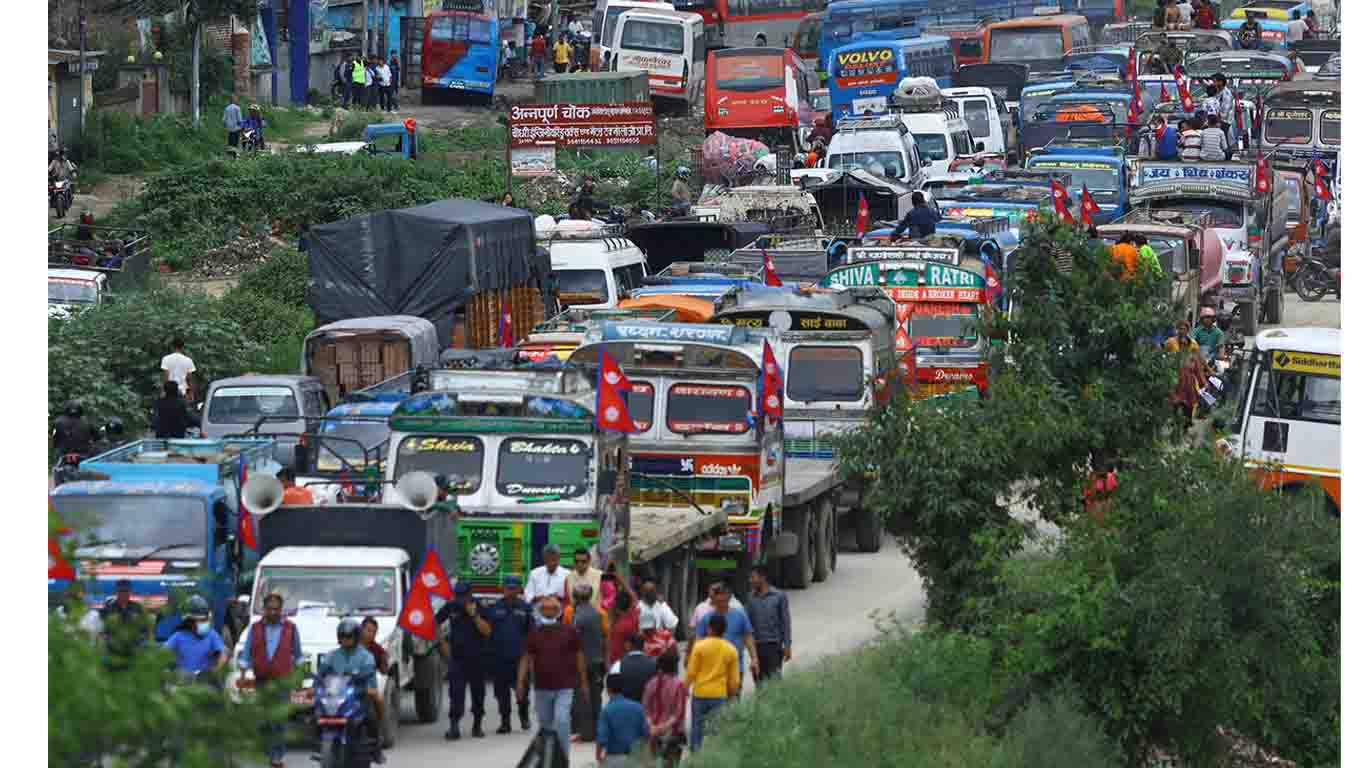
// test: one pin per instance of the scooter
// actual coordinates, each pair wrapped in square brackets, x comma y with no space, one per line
[59,196]
[340,715]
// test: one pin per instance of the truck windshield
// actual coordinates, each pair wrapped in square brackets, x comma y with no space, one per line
[459,457]
[1289,126]
[889,162]
[338,591]
[135,525]
[536,467]
[365,434]
[582,286]
[70,292]
[748,71]
[1097,177]
[1026,44]
[707,408]
[822,374]
[244,405]
[1226,215]
[933,146]
[944,325]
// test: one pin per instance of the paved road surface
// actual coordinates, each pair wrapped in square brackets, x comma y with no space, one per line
[830,618]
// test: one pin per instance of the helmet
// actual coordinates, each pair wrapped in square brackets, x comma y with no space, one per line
[348,627]
[73,409]
[115,426]
[682,172]
[197,607]
[255,108]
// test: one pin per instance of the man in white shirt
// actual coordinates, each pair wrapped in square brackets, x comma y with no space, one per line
[575,26]
[1295,29]
[654,613]
[1187,11]
[385,78]
[177,367]
[549,580]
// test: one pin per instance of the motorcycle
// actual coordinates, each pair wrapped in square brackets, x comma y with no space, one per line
[340,714]
[1314,279]
[251,140]
[59,196]
[68,467]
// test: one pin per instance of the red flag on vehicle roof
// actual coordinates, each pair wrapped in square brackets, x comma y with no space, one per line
[417,616]
[772,392]
[246,526]
[612,374]
[433,577]
[57,566]
[1165,97]
[1132,117]
[1132,73]
[505,339]
[1263,184]
[770,274]
[1060,201]
[1183,90]
[613,414]
[861,223]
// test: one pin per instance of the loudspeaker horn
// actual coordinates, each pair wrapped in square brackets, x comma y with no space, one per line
[416,491]
[262,494]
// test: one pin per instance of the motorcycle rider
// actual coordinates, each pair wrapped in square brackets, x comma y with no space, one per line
[255,123]
[196,644]
[680,193]
[583,206]
[70,433]
[355,663]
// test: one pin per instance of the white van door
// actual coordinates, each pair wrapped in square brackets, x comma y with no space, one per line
[984,123]
[657,45]
[1294,417]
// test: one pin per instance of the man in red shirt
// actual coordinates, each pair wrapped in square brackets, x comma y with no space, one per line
[554,653]
[538,55]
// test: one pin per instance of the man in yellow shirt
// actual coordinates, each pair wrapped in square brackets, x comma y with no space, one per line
[714,672]
[1182,341]
[562,55]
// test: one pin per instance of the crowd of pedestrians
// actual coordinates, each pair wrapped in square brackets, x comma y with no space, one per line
[368,82]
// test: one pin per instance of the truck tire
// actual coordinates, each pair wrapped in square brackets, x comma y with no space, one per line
[798,570]
[388,730]
[1274,308]
[1247,312]
[825,540]
[428,700]
[869,529]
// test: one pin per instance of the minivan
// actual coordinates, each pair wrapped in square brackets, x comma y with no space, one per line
[290,405]
[594,266]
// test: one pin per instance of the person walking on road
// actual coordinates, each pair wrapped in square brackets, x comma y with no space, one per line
[538,55]
[739,632]
[713,673]
[384,76]
[232,121]
[772,620]
[591,624]
[554,656]
[624,621]
[463,648]
[549,580]
[655,614]
[177,367]
[635,668]
[705,607]
[511,622]
[584,573]
[622,727]
[271,652]
[666,707]
[394,80]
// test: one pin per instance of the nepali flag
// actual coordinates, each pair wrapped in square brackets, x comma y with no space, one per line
[1165,97]
[246,527]
[861,223]
[770,274]
[432,576]
[417,615]
[1132,72]
[1060,201]
[57,566]
[1088,206]
[505,339]
[994,289]
[1263,184]
[1183,90]
[1132,117]
[613,415]
[771,389]
[1321,188]
[1238,113]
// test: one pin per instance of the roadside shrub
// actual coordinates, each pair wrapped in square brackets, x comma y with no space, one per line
[265,320]
[284,278]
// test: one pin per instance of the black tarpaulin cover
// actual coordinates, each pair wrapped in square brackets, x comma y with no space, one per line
[426,261]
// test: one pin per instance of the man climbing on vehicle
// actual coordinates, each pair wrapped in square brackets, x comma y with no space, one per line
[921,217]
[70,433]
[354,663]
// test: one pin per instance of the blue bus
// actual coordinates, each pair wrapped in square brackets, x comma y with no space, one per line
[460,50]
[863,75]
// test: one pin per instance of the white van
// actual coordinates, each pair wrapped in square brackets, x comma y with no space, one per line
[987,116]
[594,266]
[942,137]
[878,141]
[667,44]
[605,15]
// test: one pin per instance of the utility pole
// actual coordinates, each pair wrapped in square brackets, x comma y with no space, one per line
[81,63]
[365,28]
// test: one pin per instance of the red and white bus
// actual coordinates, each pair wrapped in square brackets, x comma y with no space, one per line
[759,23]
[759,93]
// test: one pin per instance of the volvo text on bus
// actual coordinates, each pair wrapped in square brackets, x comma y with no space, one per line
[864,75]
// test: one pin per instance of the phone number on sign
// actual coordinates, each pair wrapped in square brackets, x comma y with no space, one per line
[582,135]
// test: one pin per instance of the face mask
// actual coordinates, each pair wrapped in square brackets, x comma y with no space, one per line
[545,621]
[202,628]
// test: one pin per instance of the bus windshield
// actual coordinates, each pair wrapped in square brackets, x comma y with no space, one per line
[466,27]
[535,467]
[1289,126]
[708,408]
[932,146]
[460,458]
[1026,44]
[657,36]
[823,374]
[1330,127]
[936,324]
[745,71]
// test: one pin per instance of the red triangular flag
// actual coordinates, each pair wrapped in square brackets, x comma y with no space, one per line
[1263,176]
[861,224]
[613,375]
[903,340]
[1166,97]
[1321,189]
[417,615]
[909,373]
[57,566]
[1060,202]
[1133,64]
[613,415]
[1085,211]
[433,577]
[1088,203]
[1184,91]
[505,339]
[770,274]
[1238,113]
[994,288]
[772,405]
[246,526]
[1320,169]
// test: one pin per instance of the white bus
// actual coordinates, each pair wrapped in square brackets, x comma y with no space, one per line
[605,14]
[667,44]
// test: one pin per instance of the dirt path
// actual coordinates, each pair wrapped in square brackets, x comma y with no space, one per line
[101,198]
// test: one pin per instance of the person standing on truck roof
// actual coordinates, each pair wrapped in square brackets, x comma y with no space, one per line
[1190,139]
[177,367]
[584,573]
[1168,142]
[464,648]
[549,580]
[554,657]
[1187,12]
[271,652]
[739,632]
[510,619]
[772,619]
[591,624]
[922,217]
[1205,15]
[538,55]
[1213,141]
[713,672]
[170,413]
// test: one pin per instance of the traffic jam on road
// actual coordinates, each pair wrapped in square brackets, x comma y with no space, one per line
[596,450]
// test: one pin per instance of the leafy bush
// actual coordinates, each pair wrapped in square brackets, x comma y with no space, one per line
[265,320]
[284,278]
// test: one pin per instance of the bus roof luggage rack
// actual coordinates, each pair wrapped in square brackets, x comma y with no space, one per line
[918,94]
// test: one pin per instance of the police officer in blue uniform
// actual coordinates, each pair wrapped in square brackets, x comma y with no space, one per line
[464,649]
[511,620]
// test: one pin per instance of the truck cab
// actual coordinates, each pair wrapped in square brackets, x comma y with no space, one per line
[165,519]
[940,135]
[71,290]
[594,266]
[1100,167]
[1287,429]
